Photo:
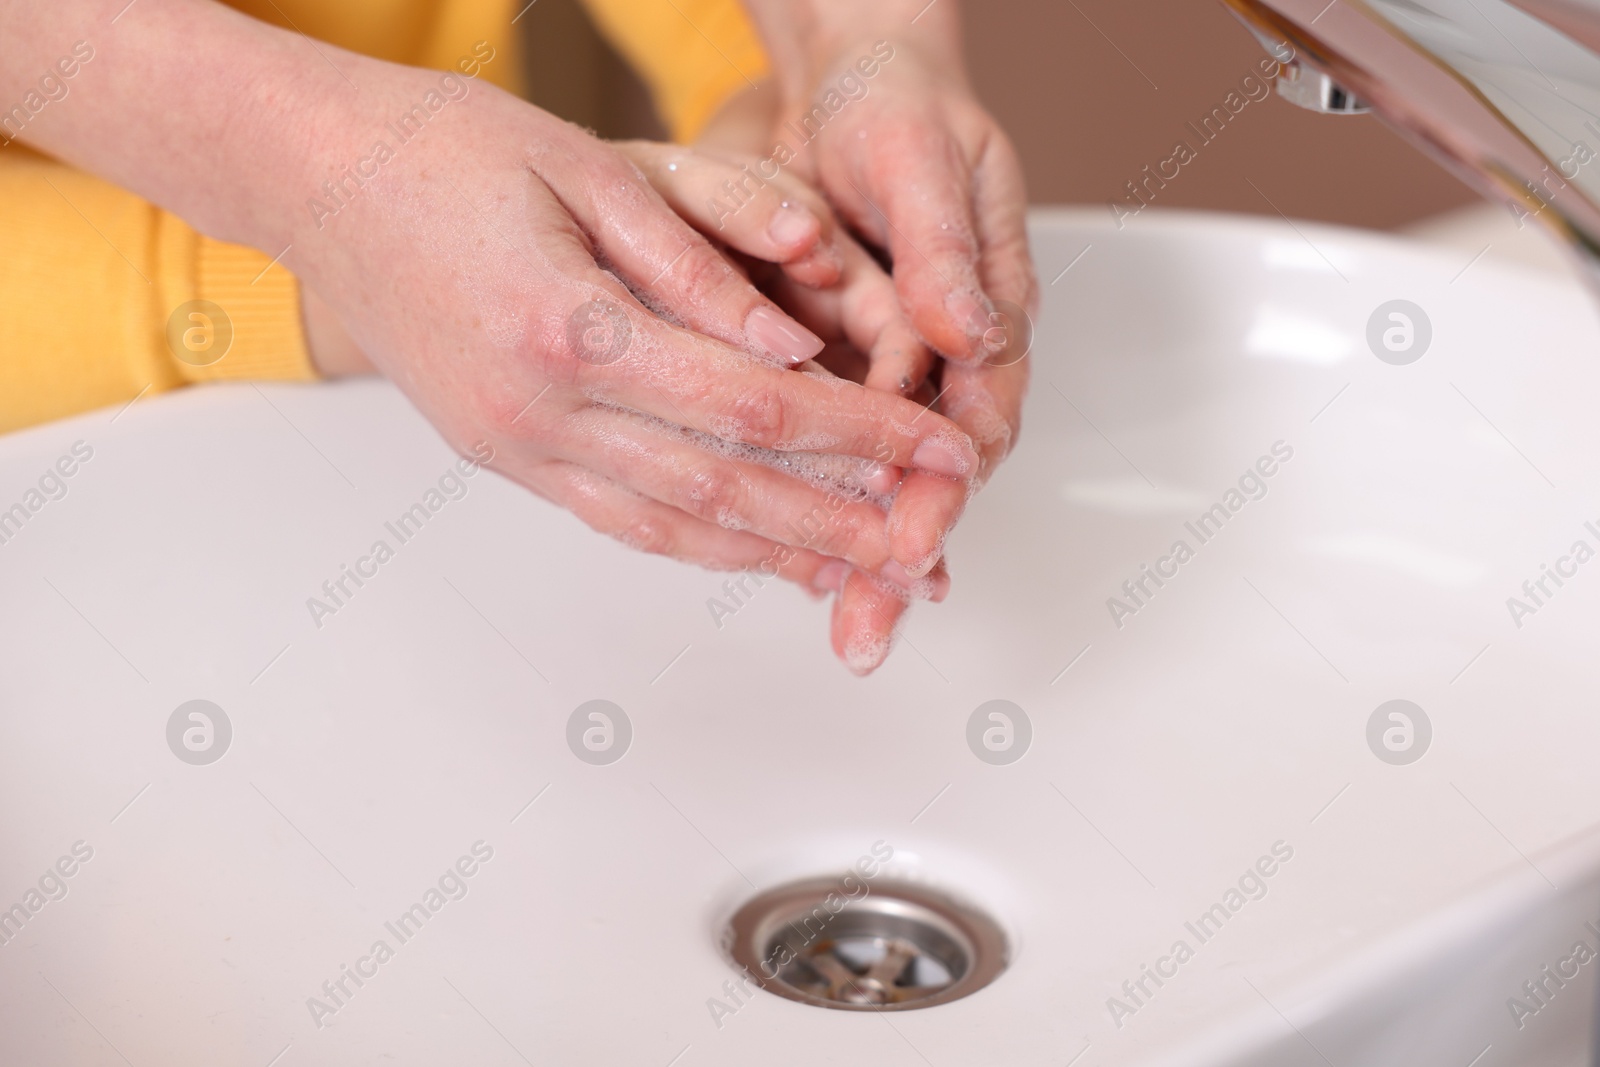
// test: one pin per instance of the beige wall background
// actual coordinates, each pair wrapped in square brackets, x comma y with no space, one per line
[1092,91]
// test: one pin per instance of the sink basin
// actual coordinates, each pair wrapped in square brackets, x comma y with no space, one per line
[1210,757]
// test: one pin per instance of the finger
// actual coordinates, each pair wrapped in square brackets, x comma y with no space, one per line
[646,364]
[925,510]
[650,526]
[865,615]
[909,184]
[669,265]
[985,398]
[863,309]
[734,490]
[986,402]
[843,360]
[1000,205]
[769,217]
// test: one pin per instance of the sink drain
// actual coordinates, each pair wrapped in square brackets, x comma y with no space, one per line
[893,946]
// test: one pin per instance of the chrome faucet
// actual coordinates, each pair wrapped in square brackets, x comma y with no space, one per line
[1506,94]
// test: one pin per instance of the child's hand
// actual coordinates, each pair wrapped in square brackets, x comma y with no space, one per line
[799,254]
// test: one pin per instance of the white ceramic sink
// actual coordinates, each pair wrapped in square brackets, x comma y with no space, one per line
[1227,716]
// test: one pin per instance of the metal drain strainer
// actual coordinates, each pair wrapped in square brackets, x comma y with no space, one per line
[892,946]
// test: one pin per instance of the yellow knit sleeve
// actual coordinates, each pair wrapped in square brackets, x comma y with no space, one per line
[692,54]
[106,297]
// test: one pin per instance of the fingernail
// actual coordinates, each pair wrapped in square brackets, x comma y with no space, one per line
[779,334]
[865,651]
[828,255]
[934,588]
[791,226]
[953,459]
[830,576]
[970,310]
[917,570]
[877,478]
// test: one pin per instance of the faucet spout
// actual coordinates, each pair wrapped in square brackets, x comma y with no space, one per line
[1506,93]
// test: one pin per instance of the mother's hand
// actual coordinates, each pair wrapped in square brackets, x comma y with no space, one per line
[525,285]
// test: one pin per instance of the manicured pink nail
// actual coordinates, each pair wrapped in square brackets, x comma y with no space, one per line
[779,334]
[951,458]
[791,226]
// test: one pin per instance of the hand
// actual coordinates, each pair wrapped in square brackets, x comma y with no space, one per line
[915,165]
[802,257]
[491,271]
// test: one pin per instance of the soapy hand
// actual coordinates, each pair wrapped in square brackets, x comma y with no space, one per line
[525,285]
[793,245]
[871,105]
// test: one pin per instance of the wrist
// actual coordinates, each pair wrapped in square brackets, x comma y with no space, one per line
[199,110]
[829,37]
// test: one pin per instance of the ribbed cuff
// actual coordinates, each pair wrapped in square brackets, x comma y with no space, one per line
[237,300]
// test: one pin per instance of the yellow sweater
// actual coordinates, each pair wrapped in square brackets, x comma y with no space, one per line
[156,284]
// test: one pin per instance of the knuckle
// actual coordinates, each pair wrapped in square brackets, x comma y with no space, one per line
[703,270]
[713,490]
[597,333]
[762,417]
[839,536]
[544,351]
[505,416]
[645,533]
[955,243]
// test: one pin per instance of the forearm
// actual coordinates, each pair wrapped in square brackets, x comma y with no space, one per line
[194,107]
[806,38]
